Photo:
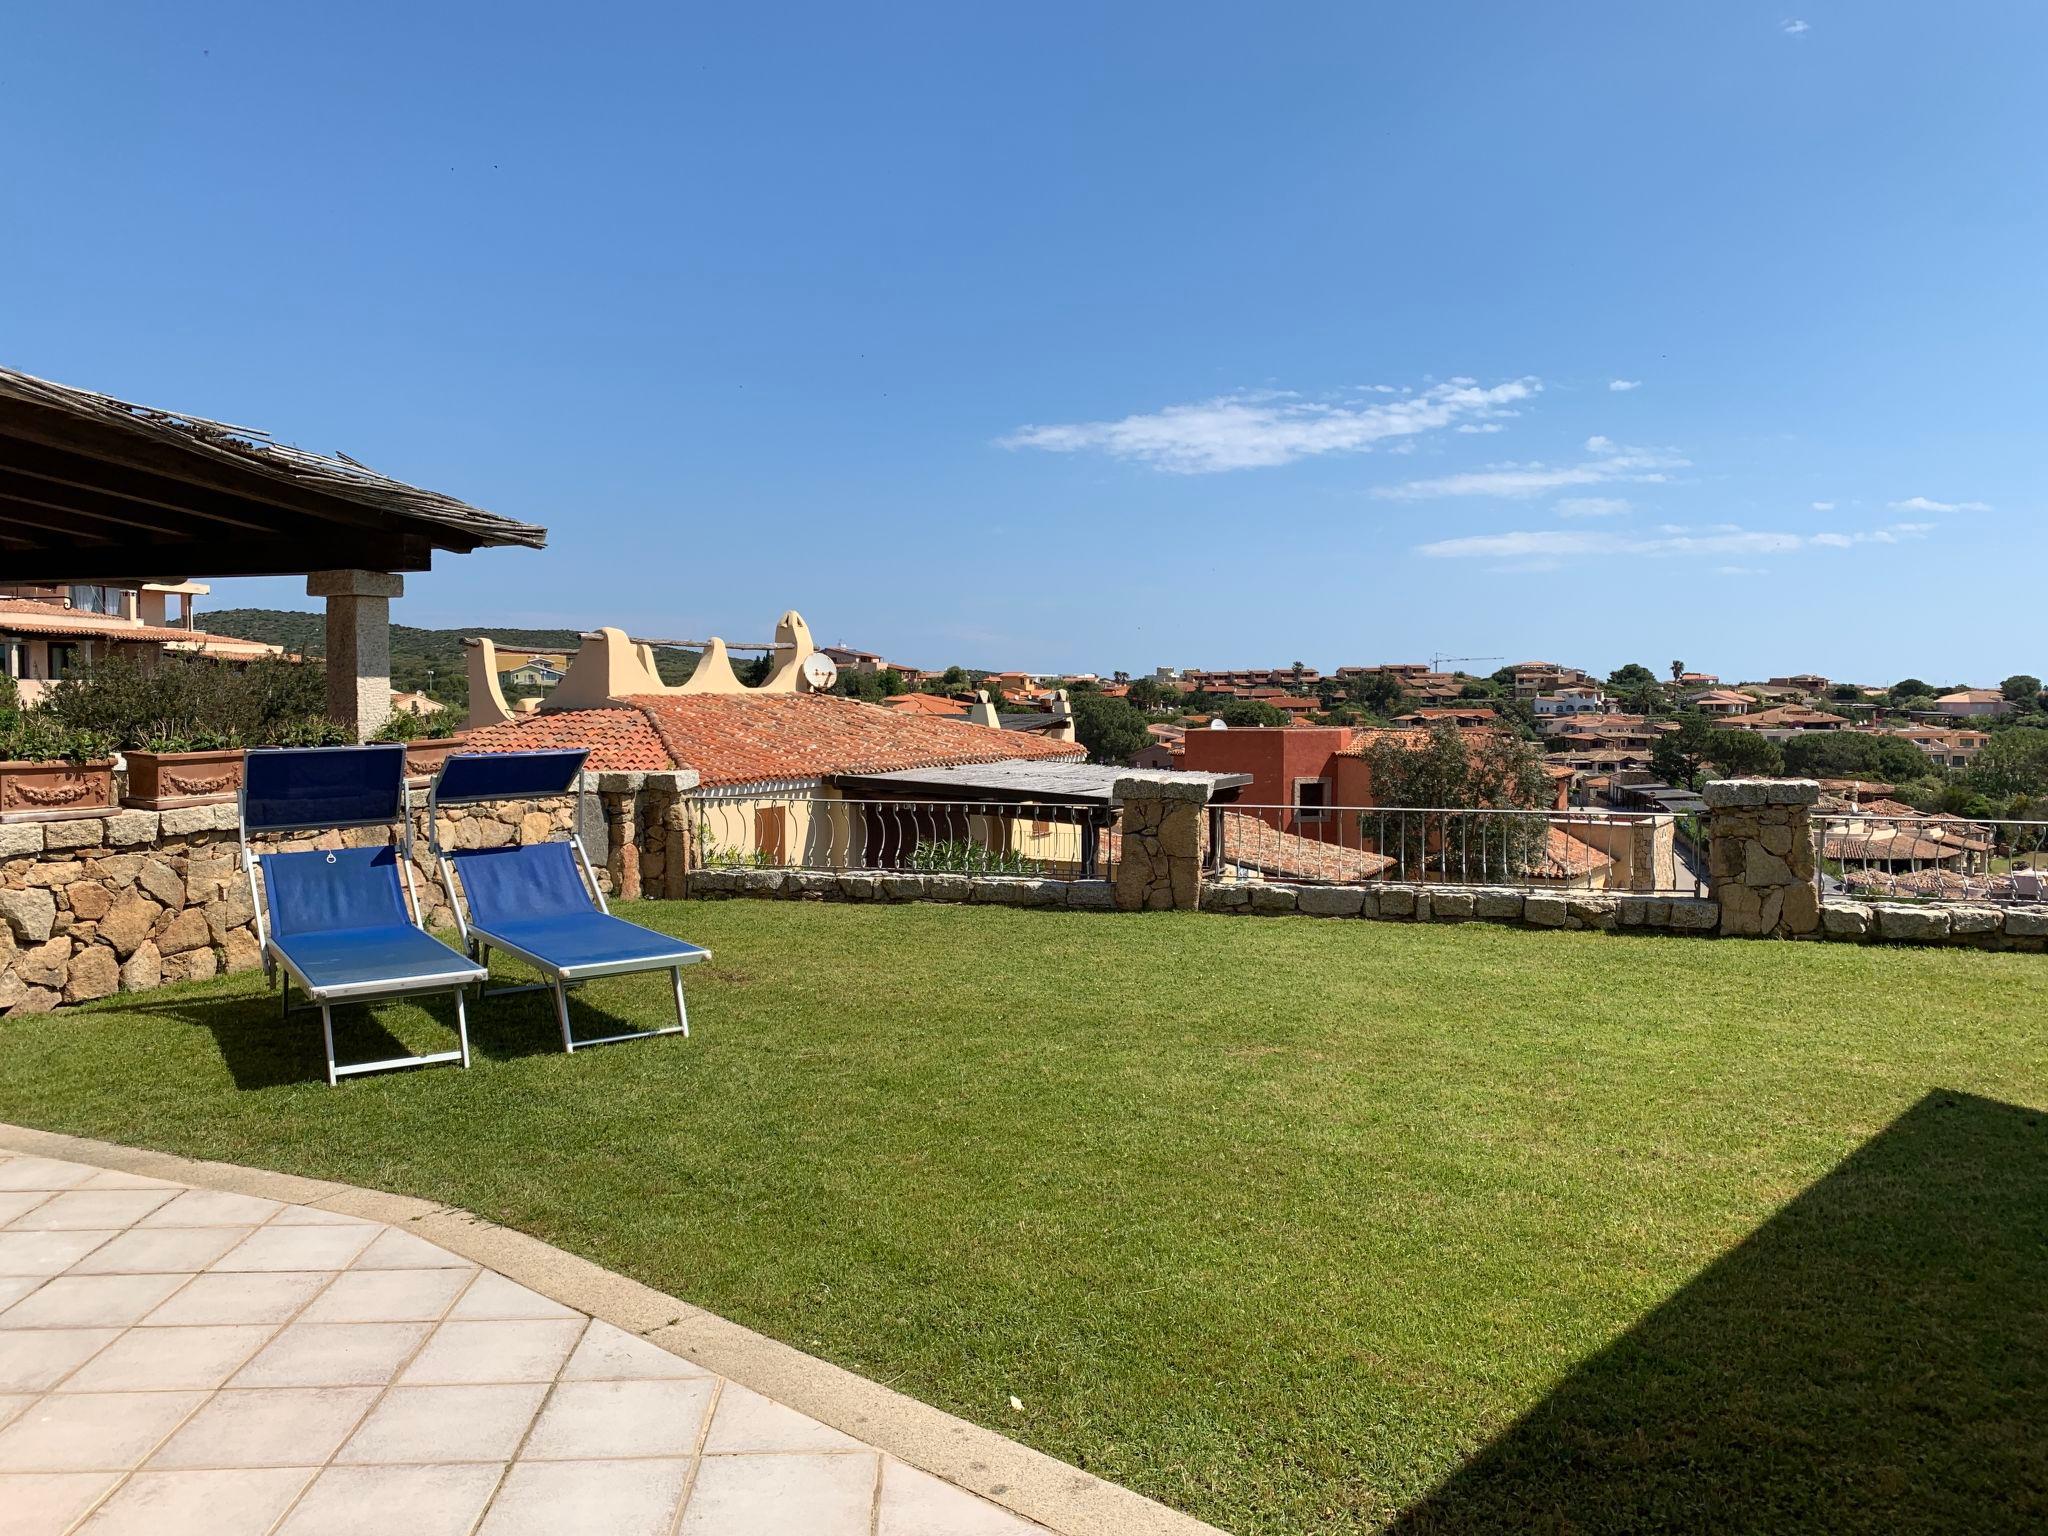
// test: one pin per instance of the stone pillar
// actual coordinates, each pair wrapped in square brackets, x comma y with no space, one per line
[1653,854]
[1760,856]
[620,794]
[358,645]
[1163,841]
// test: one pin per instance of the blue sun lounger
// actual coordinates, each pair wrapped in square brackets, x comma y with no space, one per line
[338,921]
[541,902]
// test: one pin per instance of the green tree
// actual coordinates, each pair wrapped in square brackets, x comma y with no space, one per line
[1635,675]
[1112,730]
[1680,755]
[1911,688]
[1854,755]
[1375,692]
[1745,754]
[1151,693]
[2021,690]
[1677,673]
[2015,763]
[1252,712]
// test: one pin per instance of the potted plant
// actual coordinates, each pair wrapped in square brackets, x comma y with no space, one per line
[172,769]
[429,742]
[46,769]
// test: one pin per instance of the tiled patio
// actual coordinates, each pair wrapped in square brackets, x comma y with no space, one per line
[177,1360]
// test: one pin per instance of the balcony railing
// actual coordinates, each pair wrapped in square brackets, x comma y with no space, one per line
[1618,851]
[1932,858]
[801,831]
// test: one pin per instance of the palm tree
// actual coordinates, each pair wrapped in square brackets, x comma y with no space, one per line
[1678,672]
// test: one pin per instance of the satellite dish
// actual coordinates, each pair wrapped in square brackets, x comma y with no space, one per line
[819,672]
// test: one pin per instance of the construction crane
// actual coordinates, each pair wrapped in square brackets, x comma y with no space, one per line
[1436,663]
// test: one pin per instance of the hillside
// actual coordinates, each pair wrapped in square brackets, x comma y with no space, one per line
[429,661]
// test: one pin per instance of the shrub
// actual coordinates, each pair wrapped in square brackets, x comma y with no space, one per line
[191,699]
[33,736]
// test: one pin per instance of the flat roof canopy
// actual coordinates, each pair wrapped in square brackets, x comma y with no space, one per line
[1024,781]
[96,489]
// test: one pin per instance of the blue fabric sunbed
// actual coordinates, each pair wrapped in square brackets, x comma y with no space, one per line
[337,921]
[541,902]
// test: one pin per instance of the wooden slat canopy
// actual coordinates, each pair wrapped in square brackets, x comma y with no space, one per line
[95,489]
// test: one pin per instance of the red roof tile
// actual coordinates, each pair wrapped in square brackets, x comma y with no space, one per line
[621,740]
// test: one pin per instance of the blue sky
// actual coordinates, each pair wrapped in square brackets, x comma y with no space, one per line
[1100,337]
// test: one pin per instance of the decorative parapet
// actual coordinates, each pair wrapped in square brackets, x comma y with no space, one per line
[1162,841]
[1761,856]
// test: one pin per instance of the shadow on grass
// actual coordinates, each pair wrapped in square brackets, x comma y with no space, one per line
[1873,1358]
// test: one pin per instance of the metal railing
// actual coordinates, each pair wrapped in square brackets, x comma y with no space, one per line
[1932,858]
[806,831]
[1615,851]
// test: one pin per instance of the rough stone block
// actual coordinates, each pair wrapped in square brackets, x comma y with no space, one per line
[94,973]
[129,829]
[1592,911]
[32,915]
[1273,899]
[1845,919]
[1091,895]
[1233,896]
[129,923]
[1799,910]
[162,882]
[1911,924]
[186,931]
[1722,793]
[45,964]
[1760,867]
[859,887]
[2026,922]
[1693,914]
[1497,905]
[1963,920]
[1369,902]
[903,887]
[1545,911]
[190,819]
[1452,906]
[1330,900]
[53,876]
[89,900]
[1396,901]
[241,951]
[946,888]
[37,1000]
[78,832]
[20,839]
[1161,786]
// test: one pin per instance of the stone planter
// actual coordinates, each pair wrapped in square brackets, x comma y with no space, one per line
[424,757]
[54,789]
[162,781]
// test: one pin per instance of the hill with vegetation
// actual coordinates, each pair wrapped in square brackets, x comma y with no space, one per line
[428,661]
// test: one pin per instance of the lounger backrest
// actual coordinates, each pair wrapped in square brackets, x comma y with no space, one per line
[512,885]
[327,892]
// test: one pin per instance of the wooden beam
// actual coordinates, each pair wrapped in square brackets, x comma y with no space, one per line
[64,508]
[116,483]
[153,561]
[12,516]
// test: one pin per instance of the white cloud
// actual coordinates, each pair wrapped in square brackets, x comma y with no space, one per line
[1739,570]
[1723,539]
[1479,427]
[1823,506]
[1923,504]
[1259,430]
[1592,506]
[1622,386]
[1793,28]
[1610,462]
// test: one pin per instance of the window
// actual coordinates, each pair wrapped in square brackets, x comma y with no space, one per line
[1311,799]
[13,656]
[95,600]
[63,660]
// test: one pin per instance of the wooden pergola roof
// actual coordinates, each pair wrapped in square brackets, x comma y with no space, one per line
[96,489]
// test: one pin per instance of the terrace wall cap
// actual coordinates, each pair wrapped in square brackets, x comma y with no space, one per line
[1161,786]
[1723,794]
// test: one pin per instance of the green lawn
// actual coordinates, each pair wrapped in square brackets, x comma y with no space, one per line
[1300,1226]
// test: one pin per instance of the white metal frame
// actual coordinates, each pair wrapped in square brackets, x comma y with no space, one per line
[278,966]
[480,942]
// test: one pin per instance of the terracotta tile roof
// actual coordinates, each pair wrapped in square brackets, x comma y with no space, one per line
[25,616]
[621,740]
[934,704]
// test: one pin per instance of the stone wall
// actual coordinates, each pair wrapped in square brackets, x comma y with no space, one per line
[1162,841]
[126,900]
[1464,904]
[1761,856]
[1975,927]
[891,886]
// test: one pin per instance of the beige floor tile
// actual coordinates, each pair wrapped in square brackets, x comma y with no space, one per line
[109,1178]
[36,1359]
[747,1421]
[401,1250]
[588,1498]
[77,1210]
[168,1359]
[332,1355]
[244,1502]
[146,1250]
[915,1503]
[444,1424]
[297,1248]
[588,1420]
[213,1208]
[11,1403]
[313,1216]
[495,1297]
[421,1501]
[47,1253]
[91,1301]
[276,1427]
[14,1287]
[255,1297]
[92,1432]
[42,1173]
[47,1503]
[612,1354]
[822,1495]
[479,1352]
[19,1202]
[387,1296]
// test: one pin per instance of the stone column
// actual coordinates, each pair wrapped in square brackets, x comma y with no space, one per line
[1761,856]
[1163,841]
[1653,854]
[358,645]
[620,794]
